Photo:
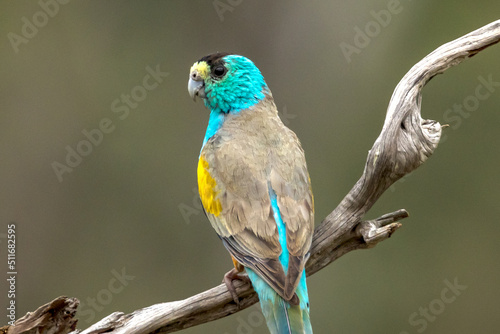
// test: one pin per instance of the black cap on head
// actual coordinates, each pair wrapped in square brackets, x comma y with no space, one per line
[214,57]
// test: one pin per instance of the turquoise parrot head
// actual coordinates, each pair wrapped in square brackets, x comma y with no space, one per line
[226,82]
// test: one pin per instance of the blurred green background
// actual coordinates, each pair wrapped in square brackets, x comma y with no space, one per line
[129,206]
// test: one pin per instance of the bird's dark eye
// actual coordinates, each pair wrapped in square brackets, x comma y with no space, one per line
[219,71]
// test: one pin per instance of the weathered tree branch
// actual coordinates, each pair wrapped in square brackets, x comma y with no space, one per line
[55,317]
[406,141]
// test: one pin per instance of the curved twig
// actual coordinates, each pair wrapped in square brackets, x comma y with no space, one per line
[406,141]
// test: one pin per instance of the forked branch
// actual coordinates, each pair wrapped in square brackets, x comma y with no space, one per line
[406,141]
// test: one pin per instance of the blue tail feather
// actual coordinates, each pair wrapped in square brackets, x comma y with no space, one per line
[281,317]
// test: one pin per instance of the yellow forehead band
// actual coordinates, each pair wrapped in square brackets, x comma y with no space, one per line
[202,68]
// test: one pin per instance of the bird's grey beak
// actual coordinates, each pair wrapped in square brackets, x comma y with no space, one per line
[196,86]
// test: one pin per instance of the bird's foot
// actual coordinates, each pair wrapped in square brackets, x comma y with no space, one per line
[229,277]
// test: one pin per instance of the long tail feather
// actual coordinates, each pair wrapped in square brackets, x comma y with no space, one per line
[281,316]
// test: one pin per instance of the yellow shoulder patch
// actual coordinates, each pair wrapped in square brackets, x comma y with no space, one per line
[207,188]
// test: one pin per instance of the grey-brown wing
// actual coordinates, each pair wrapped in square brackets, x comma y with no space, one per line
[245,172]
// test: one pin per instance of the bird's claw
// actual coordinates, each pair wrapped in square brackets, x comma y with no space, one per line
[229,277]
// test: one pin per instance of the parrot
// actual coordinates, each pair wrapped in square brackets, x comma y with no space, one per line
[255,188]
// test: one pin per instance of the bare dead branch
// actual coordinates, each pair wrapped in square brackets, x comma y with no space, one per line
[55,317]
[406,142]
